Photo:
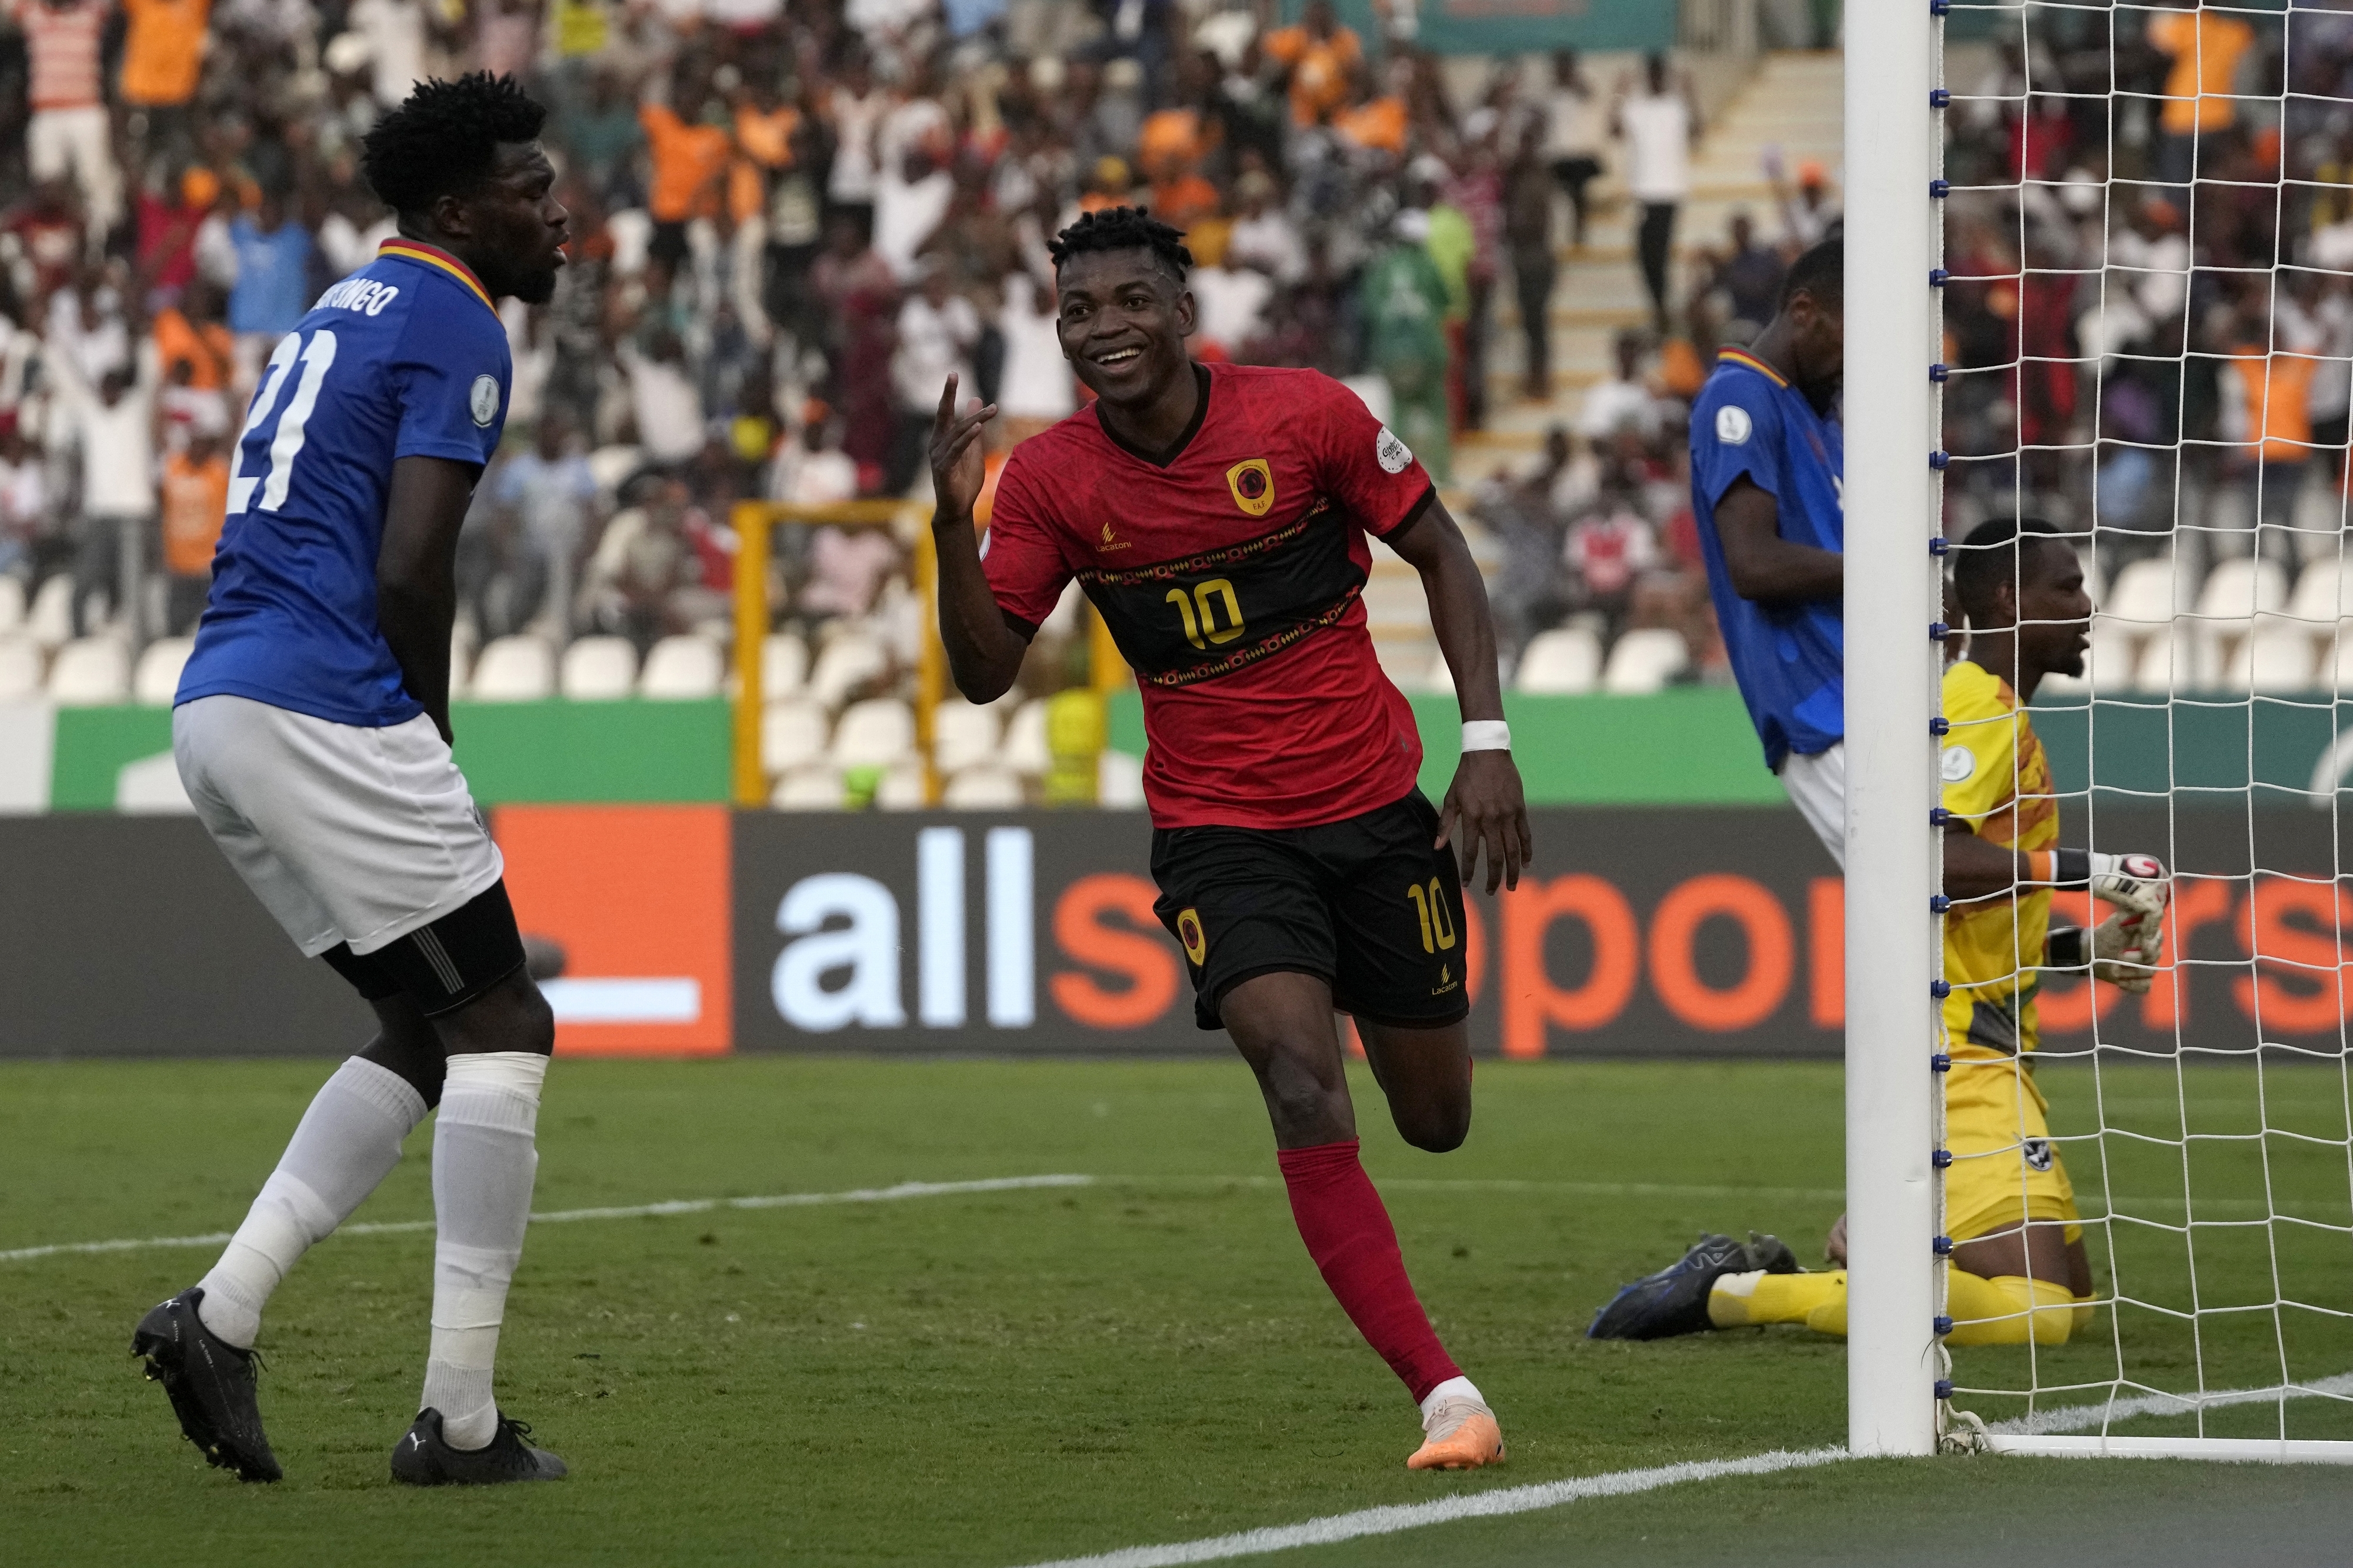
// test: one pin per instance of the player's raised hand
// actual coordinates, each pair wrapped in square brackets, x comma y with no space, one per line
[2137,884]
[959,466]
[2126,949]
[1485,807]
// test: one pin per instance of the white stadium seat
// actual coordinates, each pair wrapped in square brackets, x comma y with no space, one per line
[1644,661]
[901,789]
[514,669]
[151,787]
[784,666]
[807,789]
[962,735]
[2145,595]
[2323,595]
[1024,749]
[90,672]
[2234,594]
[986,788]
[879,732]
[156,679]
[851,659]
[1565,661]
[683,669]
[2337,673]
[2168,662]
[2277,659]
[792,736]
[12,604]
[598,670]
[50,619]
[1119,782]
[20,668]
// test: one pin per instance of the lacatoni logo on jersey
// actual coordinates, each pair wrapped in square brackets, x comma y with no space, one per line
[1393,453]
[1253,485]
[1732,426]
[483,401]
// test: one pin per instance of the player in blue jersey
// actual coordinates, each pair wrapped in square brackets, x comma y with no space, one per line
[1768,471]
[312,734]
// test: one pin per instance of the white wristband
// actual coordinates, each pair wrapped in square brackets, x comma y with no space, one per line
[1486,735]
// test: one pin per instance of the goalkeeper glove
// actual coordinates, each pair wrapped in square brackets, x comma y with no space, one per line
[2123,949]
[2137,884]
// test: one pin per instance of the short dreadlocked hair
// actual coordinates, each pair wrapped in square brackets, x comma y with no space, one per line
[444,139]
[1123,228]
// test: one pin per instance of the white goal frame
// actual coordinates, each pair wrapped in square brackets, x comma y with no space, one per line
[1896,1362]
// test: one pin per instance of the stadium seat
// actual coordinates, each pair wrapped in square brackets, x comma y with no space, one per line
[2277,659]
[792,736]
[20,668]
[1565,661]
[514,669]
[784,666]
[155,680]
[2336,669]
[1119,782]
[2323,595]
[598,670]
[151,787]
[851,659]
[1024,749]
[90,672]
[962,736]
[986,788]
[50,619]
[12,604]
[901,789]
[463,642]
[2234,594]
[683,669]
[1644,661]
[2168,662]
[2146,594]
[807,789]
[879,732]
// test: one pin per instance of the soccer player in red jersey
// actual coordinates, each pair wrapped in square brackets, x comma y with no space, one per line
[1217,517]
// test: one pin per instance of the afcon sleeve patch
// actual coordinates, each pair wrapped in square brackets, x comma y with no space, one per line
[1957,764]
[483,401]
[1393,453]
[1732,425]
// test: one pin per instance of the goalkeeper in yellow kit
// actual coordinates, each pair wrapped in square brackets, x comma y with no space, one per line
[2019,1269]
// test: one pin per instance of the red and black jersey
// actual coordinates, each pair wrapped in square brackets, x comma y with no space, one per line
[1231,570]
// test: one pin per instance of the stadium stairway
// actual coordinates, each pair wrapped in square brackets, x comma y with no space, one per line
[1793,100]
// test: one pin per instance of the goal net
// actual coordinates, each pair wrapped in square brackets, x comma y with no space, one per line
[2144,245]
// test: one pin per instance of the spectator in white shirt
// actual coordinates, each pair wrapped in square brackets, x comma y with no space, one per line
[1623,402]
[1263,236]
[817,472]
[937,329]
[112,426]
[1657,124]
[1572,142]
[1034,389]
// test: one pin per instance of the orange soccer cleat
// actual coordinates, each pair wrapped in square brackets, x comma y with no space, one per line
[1461,1434]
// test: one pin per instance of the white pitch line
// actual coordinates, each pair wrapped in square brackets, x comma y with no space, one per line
[1339,1527]
[634,1210]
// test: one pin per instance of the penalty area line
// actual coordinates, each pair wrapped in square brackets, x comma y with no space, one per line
[1335,1528]
[905,1190]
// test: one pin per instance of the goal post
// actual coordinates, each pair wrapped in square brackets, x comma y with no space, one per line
[1893,939]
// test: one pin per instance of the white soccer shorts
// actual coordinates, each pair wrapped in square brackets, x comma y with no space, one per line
[1817,785]
[345,833]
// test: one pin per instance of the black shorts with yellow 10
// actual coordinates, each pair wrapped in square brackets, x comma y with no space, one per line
[1365,904]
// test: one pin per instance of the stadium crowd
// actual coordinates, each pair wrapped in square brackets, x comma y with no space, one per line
[790,221]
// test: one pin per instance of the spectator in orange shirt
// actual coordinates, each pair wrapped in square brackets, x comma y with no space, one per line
[1321,57]
[2206,47]
[689,160]
[163,59]
[195,500]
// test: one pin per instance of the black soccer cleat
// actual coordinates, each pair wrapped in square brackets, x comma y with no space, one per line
[1674,1299]
[424,1458]
[210,1383]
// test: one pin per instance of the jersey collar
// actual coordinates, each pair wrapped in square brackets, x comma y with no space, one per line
[1742,357]
[426,254]
[1163,459]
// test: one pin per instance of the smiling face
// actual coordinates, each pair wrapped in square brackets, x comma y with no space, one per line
[1123,318]
[515,228]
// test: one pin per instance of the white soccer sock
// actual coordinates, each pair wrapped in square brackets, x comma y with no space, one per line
[1448,1390]
[346,1144]
[483,1162]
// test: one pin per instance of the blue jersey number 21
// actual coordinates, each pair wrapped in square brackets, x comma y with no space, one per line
[286,446]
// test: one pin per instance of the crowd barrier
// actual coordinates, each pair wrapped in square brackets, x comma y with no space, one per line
[693,929]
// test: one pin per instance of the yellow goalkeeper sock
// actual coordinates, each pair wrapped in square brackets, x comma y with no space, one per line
[2007,1309]
[1743,1300]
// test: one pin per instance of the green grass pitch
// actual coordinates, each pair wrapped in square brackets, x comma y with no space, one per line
[1003,1378]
